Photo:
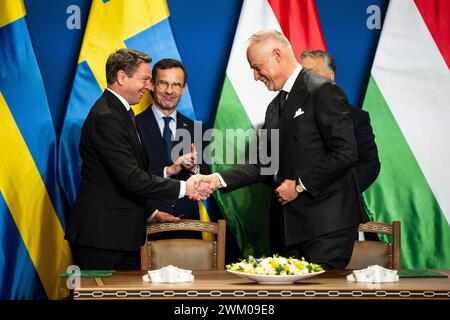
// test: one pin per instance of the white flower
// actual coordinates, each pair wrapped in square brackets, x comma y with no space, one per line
[275,265]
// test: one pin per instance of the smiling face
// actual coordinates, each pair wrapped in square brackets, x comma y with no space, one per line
[168,89]
[264,59]
[134,87]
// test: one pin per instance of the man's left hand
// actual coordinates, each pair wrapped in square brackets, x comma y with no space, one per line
[286,191]
[162,216]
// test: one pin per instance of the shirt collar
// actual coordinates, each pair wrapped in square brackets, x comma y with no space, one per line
[159,115]
[122,99]
[291,80]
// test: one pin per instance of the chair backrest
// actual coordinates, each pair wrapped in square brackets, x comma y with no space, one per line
[190,254]
[387,255]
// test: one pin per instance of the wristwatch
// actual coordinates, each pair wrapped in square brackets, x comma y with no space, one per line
[298,186]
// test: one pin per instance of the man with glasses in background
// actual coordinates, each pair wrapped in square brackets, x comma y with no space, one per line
[160,125]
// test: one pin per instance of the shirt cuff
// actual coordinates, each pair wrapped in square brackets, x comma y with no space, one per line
[182,189]
[222,182]
[303,186]
[165,173]
[152,216]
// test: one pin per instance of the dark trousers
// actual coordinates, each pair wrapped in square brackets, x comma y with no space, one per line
[88,258]
[331,251]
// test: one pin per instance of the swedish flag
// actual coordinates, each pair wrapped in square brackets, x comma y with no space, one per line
[32,248]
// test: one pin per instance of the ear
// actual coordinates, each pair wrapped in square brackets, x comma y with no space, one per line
[331,75]
[121,76]
[277,54]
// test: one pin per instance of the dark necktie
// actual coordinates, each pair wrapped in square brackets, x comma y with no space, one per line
[283,96]
[133,119]
[167,136]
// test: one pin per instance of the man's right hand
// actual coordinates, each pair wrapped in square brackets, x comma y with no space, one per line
[200,187]
[213,181]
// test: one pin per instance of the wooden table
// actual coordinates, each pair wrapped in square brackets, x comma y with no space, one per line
[224,285]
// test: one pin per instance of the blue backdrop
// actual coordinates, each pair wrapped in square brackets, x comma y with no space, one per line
[204,32]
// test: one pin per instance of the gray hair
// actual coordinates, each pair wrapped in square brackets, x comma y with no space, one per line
[269,34]
[327,58]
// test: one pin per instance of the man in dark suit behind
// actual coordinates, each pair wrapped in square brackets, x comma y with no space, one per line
[169,79]
[368,164]
[108,222]
[321,206]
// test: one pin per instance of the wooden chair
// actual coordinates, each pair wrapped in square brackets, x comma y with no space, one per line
[190,254]
[387,255]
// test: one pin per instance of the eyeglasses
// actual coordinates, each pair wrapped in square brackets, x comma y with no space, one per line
[163,85]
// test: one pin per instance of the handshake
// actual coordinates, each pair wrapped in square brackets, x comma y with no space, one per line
[200,187]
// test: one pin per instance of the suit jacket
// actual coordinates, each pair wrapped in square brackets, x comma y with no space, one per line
[368,165]
[318,147]
[156,150]
[110,211]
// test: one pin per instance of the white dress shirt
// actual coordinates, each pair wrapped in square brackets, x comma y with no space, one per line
[291,80]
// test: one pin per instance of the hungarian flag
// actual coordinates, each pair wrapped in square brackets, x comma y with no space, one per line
[408,97]
[243,103]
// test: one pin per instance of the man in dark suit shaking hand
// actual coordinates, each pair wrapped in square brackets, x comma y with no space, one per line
[320,202]
[108,221]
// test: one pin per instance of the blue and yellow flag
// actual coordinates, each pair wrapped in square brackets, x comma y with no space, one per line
[139,24]
[33,251]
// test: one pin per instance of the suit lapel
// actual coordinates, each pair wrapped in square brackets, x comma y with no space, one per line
[156,143]
[120,109]
[273,114]
[181,124]
[187,136]
[295,100]
[154,131]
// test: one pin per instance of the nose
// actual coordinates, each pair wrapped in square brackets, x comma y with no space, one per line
[169,89]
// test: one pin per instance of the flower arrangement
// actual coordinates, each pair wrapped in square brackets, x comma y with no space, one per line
[274,265]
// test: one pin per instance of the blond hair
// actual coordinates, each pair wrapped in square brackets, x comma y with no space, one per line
[270,34]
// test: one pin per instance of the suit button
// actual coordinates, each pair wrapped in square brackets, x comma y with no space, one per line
[291,170]
[295,138]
